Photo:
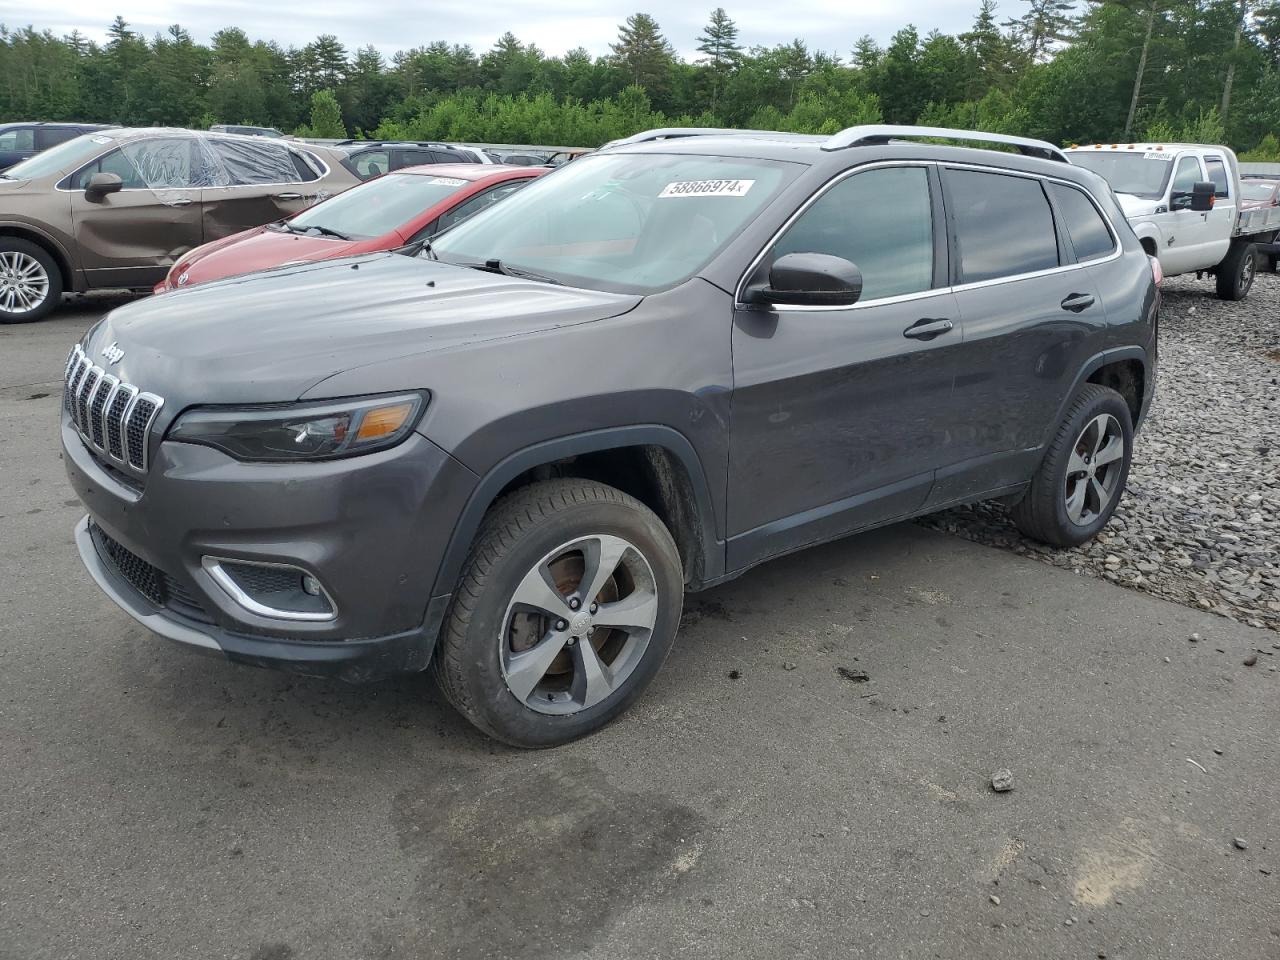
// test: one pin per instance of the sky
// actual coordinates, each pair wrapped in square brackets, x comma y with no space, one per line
[554,25]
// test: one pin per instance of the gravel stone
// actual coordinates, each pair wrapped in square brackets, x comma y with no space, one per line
[1002,781]
[1240,844]
[1200,521]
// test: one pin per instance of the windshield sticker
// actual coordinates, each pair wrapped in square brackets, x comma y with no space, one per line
[446,181]
[1152,155]
[707,188]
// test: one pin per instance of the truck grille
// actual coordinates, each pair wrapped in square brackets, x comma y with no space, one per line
[112,417]
[150,581]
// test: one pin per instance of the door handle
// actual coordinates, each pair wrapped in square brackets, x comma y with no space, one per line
[1075,302]
[288,196]
[180,202]
[927,329]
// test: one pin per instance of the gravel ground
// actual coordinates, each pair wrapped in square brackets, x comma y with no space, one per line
[1200,523]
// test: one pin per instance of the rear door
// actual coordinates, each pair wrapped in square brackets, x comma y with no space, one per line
[840,413]
[1029,312]
[132,237]
[252,182]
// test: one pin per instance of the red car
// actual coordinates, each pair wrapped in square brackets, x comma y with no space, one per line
[1259,192]
[381,214]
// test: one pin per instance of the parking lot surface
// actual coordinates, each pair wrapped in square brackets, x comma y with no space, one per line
[761,800]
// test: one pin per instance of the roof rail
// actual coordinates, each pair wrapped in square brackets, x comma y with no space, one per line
[674,133]
[878,133]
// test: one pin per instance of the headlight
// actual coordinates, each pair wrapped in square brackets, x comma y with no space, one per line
[310,431]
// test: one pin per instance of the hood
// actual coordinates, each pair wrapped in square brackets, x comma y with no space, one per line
[266,338]
[1137,206]
[257,249]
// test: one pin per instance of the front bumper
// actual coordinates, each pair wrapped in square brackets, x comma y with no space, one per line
[355,661]
[367,527]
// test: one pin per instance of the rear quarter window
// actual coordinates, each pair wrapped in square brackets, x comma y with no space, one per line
[1003,225]
[1089,234]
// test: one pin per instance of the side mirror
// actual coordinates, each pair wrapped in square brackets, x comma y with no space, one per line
[101,184]
[809,279]
[1202,196]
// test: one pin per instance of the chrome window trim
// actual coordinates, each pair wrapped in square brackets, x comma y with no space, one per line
[1116,251]
[213,567]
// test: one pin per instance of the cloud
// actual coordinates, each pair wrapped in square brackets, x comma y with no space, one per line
[554,25]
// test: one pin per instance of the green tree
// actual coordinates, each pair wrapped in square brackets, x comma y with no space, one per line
[718,43]
[326,117]
[643,53]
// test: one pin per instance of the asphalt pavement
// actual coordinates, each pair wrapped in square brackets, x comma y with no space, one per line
[761,800]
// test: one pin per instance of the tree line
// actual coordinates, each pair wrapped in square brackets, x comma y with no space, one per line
[1102,70]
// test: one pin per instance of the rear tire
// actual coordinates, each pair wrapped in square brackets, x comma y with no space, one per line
[30,281]
[520,654]
[1082,476]
[1236,271]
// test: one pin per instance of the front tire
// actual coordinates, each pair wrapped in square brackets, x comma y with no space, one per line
[567,607]
[1082,476]
[30,281]
[1236,272]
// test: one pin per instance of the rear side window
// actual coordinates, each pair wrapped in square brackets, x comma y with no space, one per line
[21,138]
[1089,233]
[881,221]
[1003,225]
[47,137]
[1218,174]
[372,163]
[248,162]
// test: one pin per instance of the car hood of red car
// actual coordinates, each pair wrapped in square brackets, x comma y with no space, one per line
[262,248]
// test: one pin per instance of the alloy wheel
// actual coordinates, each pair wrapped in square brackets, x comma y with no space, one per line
[1094,469]
[24,283]
[1248,267]
[578,624]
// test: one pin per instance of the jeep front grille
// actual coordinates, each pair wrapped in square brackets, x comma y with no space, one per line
[113,418]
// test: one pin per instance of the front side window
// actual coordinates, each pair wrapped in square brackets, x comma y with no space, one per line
[1218,174]
[154,164]
[1185,177]
[625,222]
[477,203]
[879,220]
[1003,225]
[1090,236]
[18,140]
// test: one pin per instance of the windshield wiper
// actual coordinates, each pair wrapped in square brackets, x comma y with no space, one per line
[326,231]
[497,266]
[417,247]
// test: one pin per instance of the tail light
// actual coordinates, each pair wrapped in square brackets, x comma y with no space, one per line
[1157,274]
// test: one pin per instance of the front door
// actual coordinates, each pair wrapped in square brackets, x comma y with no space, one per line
[132,237]
[1190,239]
[840,413]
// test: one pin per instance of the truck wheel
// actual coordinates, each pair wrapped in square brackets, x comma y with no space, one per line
[1236,271]
[30,281]
[567,606]
[1082,476]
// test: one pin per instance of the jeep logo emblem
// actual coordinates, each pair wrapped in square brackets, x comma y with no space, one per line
[112,353]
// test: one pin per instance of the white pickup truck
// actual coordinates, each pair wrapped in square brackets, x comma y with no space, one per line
[1183,202]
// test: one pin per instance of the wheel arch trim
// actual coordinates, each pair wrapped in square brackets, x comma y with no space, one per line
[21,230]
[493,482]
[1092,366]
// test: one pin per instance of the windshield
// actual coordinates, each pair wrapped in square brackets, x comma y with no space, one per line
[1257,189]
[629,223]
[60,159]
[1137,174]
[379,206]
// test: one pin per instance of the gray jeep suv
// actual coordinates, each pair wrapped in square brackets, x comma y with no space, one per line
[507,457]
